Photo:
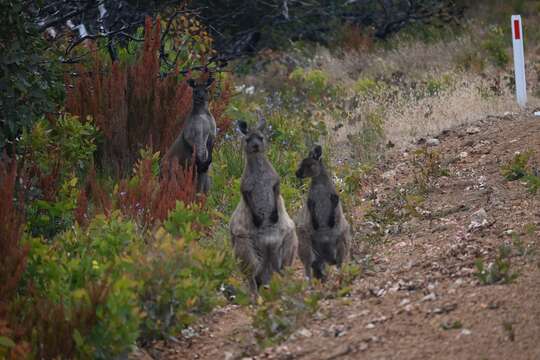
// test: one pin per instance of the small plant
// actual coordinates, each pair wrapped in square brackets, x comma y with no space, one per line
[367,86]
[450,325]
[496,47]
[180,281]
[341,284]
[517,168]
[427,165]
[497,272]
[509,330]
[520,168]
[369,139]
[285,306]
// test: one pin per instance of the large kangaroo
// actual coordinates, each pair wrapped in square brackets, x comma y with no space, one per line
[197,136]
[263,235]
[323,232]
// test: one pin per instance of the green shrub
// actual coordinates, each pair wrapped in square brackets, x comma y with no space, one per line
[58,154]
[285,306]
[435,86]
[30,73]
[518,167]
[187,221]
[67,142]
[313,83]
[496,47]
[64,273]
[369,139]
[180,281]
[49,217]
[367,86]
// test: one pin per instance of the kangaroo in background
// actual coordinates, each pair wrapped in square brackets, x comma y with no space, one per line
[262,233]
[323,232]
[196,140]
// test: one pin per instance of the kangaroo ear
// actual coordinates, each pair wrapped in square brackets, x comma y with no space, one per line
[262,121]
[191,83]
[209,82]
[242,125]
[316,152]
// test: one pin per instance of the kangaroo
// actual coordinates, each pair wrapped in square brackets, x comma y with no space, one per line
[323,232]
[196,140]
[262,233]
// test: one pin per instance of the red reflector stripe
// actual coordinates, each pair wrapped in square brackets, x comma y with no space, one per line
[517,34]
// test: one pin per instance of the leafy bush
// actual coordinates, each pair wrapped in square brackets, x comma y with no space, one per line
[56,153]
[181,279]
[84,277]
[285,306]
[313,83]
[30,78]
[368,87]
[186,221]
[518,167]
[66,142]
[496,47]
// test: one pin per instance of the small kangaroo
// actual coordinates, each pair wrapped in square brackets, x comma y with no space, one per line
[262,233]
[323,232]
[197,136]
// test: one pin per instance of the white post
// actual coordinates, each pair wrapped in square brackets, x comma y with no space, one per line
[519,60]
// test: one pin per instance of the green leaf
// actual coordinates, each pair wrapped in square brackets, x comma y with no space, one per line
[6,342]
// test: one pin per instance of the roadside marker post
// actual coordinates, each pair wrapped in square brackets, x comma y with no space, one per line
[519,60]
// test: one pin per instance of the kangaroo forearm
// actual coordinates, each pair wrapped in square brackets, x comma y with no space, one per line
[257,221]
[313,214]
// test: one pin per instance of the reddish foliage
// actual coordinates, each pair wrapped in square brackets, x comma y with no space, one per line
[12,253]
[356,38]
[130,103]
[101,199]
[81,211]
[51,326]
[219,105]
[149,198]
[144,197]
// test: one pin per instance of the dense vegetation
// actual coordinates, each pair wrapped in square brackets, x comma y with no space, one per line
[98,252]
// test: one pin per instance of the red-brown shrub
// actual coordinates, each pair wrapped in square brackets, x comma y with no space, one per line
[12,253]
[144,197]
[51,325]
[132,105]
[355,38]
[219,105]
[150,198]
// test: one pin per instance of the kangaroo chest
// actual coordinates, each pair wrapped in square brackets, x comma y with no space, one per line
[259,181]
[323,208]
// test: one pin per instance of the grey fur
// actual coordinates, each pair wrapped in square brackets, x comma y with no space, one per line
[323,232]
[262,233]
[198,134]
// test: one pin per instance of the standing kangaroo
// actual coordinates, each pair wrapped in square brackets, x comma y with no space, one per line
[262,233]
[197,136]
[323,232]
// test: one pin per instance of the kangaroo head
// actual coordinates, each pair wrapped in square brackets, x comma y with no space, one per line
[200,90]
[254,138]
[311,166]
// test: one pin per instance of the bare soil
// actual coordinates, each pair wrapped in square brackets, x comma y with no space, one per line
[420,298]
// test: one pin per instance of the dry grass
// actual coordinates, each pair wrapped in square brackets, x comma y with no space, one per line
[474,93]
